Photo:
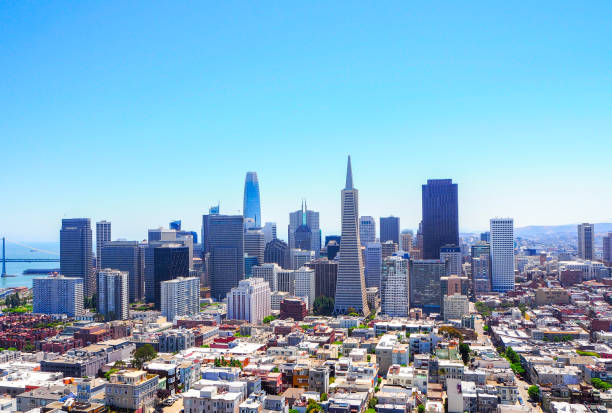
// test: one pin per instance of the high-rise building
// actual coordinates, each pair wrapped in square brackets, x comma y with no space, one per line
[103,235]
[326,274]
[249,301]
[373,264]
[480,248]
[406,240]
[388,248]
[113,294]
[126,256]
[161,234]
[251,203]
[425,289]
[586,241]
[299,258]
[481,273]
[269,230]
[180,297]
[450,285]
[607,249]
[214,210]
[311,220]
[76,252]
[455,306]
[293,307]
[303,238]
[269,272]
[390,229]
[249,263]
[485,236]
[395,297]
[175,225]
[502,254]
[350,288]
[254,244]
[332,248]
[278,251]
[226,242]
[367,230]
[305,285]
[57,294]
[170,262]
[286,281]
[440,216]
[452,255]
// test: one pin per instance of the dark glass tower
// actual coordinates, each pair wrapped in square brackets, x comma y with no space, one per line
[278,251]
[226,249]
[389,229]
[171,261]
[251,205]
[76,252]
[440,216]
[126,256]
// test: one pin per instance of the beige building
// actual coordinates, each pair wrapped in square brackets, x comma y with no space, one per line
[546,296]
[209,399]
[131,389]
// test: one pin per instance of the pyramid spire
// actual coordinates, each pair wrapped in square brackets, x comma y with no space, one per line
[349,175]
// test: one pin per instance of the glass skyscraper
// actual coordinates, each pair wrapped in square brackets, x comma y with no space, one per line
[440,216]
[251,204]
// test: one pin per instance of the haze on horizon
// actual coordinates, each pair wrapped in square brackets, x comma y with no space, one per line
[141,113]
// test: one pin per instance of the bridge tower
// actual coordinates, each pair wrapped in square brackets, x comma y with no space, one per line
[3,258]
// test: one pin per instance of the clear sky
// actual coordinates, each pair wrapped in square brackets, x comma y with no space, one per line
[143,112]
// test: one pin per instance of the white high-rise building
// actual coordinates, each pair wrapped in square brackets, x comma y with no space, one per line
[57,294]
[305,285]
[367,230]
[373,264]
[451,254]
[300,257]
[395,301]
[103,235]
[249,301]
[455,306]
[269,230]
[255,244]
[586,241]
[269,272]
[113,297]
[179,297]
[502,254]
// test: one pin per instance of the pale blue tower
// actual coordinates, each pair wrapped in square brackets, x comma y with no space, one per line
[251,204]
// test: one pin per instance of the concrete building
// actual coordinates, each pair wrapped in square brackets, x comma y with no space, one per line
[113,294]
[103,235]
[373,264]
[172,341]
[249,301]
[367,230]
[269,272]
[456,306]
[58,295]
[425,290]
[276,297]
[299,258]
[255,244]
[126,256]
[586,241]
[305,285]
[406,240]
[180,297]
[451,254]
[76,252]
[607,249]
[502,254]
[481,274]
[326,274]
[395,302]
[550,296]
[131,390]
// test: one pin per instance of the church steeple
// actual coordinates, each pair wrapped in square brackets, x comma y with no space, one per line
[349,175]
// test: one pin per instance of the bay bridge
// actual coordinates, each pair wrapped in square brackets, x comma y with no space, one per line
[5,260]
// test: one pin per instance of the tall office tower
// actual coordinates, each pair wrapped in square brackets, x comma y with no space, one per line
[300,257]
[326,274]
[388,248]
[305,285]
[76,253]
[452,255]
[254,244]
[171,235]
[312,222]
[607,249]
[367,230]
[269,230]
[113,294]
[175,225]
[350,288]
[485,236]
[286,281]
[251,204]
[249,301]
[179,297]
[395,302]
[481,274]
[373,264]
[170,262]
[440,216]
[269,272]
[226,241]
[586,241]
[303,238]
[214,210]
[417,252]
[249,263]
[126,256]
[480,248]
[57,294]
[406,240]
[450,285]
[390,229]
[502,254]
[425,291]
[278,251]
[103,235]
[332,249]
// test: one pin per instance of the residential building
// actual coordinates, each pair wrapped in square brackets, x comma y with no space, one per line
[103,235]
[180,297]
[126,256]
[113,294]
[251,203]
[390,229]
[450,285]
[455,306]
[173,341]
[131,390]
[502,254]
[440,216]
[212,399]
[425,290]
[394,286]
[367,230]
[76,252]
[249,301]
[586,241]
[57,294]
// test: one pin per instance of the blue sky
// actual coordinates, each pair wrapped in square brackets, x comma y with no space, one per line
[142,112]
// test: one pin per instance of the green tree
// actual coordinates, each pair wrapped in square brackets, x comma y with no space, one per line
[268,319]
[373,402]
[323,397]
[421,408]
[534,392]
[109,373]
[464,349]
[323,306]
[142,355]
[600,384]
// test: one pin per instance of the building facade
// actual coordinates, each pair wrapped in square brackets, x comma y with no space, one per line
[311,220]
[226,243]
[586,241]
[305,285]
[126,256]
[251,203]
[170,261]
[103,235]
[390,229]
[440,223]
[255,244]
[451,254]
[326,275]
[502,254]
[373,264]
[113,294]
[179,297]
[367,230]
[395,296]
[58,295]
[249,301]
[277,251]
[425,289]
[76,252]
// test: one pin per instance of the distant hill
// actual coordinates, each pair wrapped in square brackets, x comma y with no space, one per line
[536,231]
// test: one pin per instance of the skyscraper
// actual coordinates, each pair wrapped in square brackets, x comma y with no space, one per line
[254,244]
[303,235]
[226,244]
[213,210]
[326,275]
[113,294]
[170,262]
[607,249]
[58,295]
[452,255]
[180,296]
[269,230]
[76,252]
[367,230]
[388,248]
[278,251]
[373,264]
[389,229]
[103,235]
[296,219]
[425,288]
[251,203]
[481,273]
[586,237]
[502,254]
[394,286]
[350,288]
[406,240]
[305,285]
[440,216]
[126,256]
